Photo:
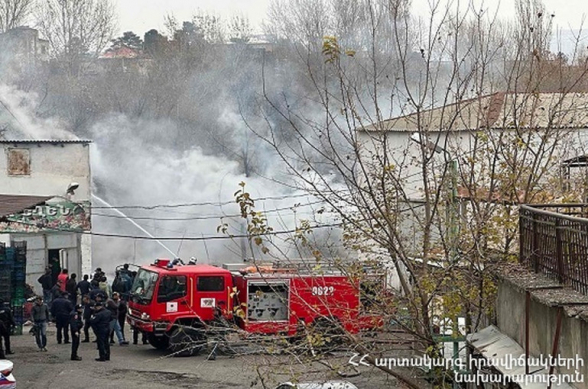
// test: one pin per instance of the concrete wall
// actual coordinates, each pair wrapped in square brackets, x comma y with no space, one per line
[542,326]
[37,246]
[53,166]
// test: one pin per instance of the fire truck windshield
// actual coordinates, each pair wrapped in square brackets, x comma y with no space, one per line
[144,286]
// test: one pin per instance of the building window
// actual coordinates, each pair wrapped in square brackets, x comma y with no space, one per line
[19,162]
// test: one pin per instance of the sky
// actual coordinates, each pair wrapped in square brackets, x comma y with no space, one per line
[568,13]
[140,16]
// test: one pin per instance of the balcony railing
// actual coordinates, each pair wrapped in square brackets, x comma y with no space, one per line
[554,241]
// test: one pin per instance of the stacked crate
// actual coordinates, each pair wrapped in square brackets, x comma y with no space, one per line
[17,257]
[5,274]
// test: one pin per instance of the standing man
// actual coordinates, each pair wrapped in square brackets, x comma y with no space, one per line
[46,281]
[100,322]
[127,284]
[61,309]
[55,269]
[56,291]
[95,290]
[6,321]
[103,285]
[84,286]
[40,316]
[97,275]
[72,289]
[86,315]
[122,316]
[63,277]
[136,336]
[75,323]
[113,305]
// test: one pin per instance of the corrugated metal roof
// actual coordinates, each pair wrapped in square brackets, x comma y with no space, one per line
[496,346]
[45,141]
[10,204]
[496,111]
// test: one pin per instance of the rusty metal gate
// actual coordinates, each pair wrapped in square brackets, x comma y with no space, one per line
[554,241]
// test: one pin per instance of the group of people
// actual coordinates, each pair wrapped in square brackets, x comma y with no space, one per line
[100,308]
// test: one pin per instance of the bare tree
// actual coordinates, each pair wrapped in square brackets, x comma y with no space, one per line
[440,206]
[14,13]
[239,29]
[76,28]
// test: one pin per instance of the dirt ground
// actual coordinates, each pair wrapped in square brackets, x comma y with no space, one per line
[141,366]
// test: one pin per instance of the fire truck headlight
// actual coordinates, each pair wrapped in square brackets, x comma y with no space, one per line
[145,316]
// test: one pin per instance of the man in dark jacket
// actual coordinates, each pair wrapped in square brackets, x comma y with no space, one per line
[71,289]
[100,322]
[84,286]
[61,309]
[95,290]
[46,281]
[40,316]
[86,315]
[76,325]
[6,321]
[122,316]
[56,291]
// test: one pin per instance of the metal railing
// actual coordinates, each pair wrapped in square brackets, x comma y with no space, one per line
[554,241]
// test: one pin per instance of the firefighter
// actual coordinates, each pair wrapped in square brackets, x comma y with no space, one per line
[100,322]
[76,325]
[6,321]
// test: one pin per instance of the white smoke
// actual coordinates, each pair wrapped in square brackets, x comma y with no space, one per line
[131,170]
[19,121]
[134,163]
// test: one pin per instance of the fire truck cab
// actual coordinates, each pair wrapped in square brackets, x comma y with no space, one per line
[165,297]
[174,305]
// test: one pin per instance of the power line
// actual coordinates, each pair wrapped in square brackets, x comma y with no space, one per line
[194,238]
[206,217]
[220,203]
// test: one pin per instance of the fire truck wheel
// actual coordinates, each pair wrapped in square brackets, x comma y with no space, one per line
[159,342]
[185,342]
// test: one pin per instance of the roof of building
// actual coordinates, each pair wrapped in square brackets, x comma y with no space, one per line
[122,52]
[11,204]
[496,111]
[498,347]
[53,141]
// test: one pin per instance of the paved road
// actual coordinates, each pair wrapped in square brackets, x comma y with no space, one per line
[141,366]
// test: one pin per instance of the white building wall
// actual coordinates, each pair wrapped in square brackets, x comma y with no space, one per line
[86,253]
[404,152]
[52,168]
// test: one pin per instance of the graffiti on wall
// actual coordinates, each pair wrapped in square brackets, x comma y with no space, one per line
[64,216]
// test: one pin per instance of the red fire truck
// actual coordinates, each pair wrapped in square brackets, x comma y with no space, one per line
[176,305]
